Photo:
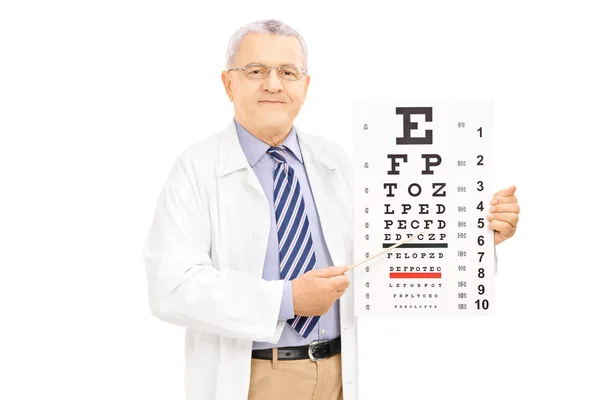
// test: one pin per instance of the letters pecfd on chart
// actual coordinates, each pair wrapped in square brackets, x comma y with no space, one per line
[423,166]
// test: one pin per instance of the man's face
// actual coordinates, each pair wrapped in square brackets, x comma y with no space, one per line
[269,105]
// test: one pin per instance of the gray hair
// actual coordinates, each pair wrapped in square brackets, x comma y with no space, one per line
[273,26]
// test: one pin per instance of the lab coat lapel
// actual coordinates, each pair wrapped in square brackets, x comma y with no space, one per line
[321,172]
[244,209]
[232,157]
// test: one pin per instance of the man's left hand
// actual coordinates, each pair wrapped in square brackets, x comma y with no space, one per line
[504,214]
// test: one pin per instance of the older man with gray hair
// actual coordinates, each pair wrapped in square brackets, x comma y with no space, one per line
[252,236]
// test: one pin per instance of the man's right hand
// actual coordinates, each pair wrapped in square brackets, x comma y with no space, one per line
[315,291]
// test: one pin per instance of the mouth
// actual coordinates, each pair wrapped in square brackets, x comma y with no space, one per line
[271,102]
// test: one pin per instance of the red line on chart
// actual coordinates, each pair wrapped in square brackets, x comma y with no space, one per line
[409,275]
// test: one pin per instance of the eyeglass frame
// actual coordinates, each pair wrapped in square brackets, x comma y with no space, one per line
[269,68]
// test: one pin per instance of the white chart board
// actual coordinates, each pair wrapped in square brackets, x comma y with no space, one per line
[423,166]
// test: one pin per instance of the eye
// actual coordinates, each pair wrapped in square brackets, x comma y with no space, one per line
[290,71]
[256,70]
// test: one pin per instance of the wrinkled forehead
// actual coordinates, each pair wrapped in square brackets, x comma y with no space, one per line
[269,49]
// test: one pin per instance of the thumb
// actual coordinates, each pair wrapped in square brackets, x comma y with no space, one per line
[331,271]
[509,191]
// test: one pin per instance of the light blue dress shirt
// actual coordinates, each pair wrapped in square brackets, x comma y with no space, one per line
[263,165]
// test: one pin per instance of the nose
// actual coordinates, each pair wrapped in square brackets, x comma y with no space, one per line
[272,82]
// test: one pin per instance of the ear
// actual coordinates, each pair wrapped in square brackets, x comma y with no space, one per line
[307,78]
[226,79]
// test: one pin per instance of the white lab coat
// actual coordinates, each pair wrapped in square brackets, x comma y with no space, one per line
[205,251]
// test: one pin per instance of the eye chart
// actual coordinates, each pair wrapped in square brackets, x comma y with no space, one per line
[423,167]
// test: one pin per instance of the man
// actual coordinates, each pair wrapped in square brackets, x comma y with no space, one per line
[252,236]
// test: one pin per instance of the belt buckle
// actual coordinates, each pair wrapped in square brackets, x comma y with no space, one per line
[310,349]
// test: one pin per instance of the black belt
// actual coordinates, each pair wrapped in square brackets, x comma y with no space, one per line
[317,350]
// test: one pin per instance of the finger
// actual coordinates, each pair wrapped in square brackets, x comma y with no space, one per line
[509,191]
[504,200]
[340,282]
[331,271]
[505,208]
[504,228]
[510,218]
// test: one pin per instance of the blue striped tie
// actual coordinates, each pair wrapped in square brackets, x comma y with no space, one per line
[296,251]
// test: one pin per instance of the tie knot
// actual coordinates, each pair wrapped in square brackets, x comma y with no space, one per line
[278,154]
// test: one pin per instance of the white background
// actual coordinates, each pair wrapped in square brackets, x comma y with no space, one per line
[97,98]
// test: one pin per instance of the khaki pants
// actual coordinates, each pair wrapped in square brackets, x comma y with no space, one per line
[296,379]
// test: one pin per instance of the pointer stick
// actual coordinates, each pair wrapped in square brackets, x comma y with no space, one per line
[400,243]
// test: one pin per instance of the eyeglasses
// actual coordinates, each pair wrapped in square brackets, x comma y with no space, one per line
[259,71]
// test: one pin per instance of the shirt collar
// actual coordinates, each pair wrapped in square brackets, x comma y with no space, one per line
[254,148]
